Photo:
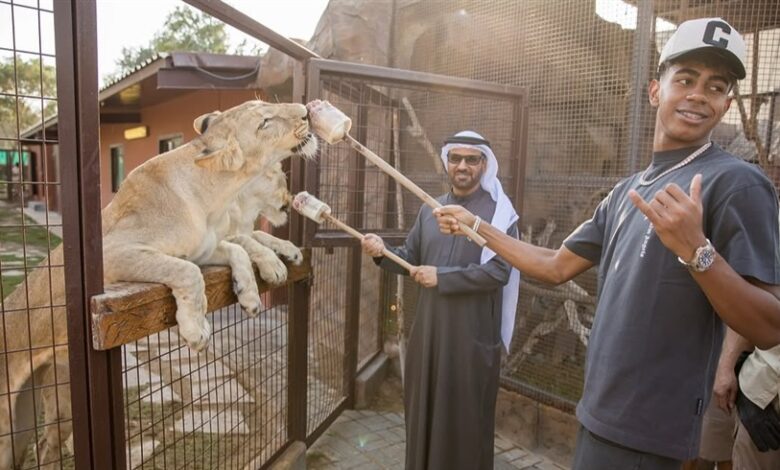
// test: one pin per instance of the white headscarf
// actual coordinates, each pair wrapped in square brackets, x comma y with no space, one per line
[504,216]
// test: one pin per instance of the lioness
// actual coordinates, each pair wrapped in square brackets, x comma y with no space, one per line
[266,194]
[165,220]
[162,223]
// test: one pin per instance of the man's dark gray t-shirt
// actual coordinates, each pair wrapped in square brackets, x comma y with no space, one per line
[656,339]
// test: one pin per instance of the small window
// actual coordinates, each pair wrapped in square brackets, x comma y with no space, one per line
[117,166]
[169,143]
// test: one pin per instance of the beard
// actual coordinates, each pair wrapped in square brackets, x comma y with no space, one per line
[465,181]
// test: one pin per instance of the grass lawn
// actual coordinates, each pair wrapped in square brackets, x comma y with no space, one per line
[22,242]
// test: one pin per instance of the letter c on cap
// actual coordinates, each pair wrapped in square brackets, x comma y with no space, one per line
[709,34]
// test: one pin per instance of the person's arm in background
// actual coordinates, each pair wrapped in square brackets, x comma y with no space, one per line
[759,377]
[759,384]
[725,387]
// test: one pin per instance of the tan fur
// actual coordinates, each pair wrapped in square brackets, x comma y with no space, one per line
[168,218]
[266,195]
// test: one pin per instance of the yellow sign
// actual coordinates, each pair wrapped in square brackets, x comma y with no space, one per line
[136,132]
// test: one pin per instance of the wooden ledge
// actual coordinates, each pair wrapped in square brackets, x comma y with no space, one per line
[129,311]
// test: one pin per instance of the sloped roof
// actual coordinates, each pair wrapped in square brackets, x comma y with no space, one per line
[157,56]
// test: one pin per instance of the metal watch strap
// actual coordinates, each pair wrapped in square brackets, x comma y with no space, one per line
[702,258]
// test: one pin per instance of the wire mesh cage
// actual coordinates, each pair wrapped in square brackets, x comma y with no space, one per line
[223,408]
[35,411]
[327,329]
[586,65]
[403,119]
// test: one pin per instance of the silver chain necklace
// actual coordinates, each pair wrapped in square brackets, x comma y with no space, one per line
[688,159]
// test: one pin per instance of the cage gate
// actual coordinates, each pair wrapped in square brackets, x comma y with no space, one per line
[403,116]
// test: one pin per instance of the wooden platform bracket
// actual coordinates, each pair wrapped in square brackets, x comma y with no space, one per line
[130,311]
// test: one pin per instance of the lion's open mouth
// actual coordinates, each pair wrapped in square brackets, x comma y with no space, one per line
[303,143]
[307,147]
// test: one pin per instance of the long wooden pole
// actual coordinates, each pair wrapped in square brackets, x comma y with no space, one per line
[404,264]
[408,184]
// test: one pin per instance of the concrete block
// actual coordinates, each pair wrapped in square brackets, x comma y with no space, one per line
[557,434]
[293,458]
[539,428]
[517,418]
[368,382]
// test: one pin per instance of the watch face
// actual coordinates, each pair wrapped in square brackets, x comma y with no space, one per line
[705,258]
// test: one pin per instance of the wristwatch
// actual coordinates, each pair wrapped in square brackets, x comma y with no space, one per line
[702,258]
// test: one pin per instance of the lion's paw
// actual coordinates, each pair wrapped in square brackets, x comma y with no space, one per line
[195,330]
[248,297]
[272,270]
[291,252]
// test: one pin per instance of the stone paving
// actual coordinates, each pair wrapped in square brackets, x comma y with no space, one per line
[368,439]
[51,220]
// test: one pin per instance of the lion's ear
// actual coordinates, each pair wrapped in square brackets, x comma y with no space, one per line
[227,156]
[201,123]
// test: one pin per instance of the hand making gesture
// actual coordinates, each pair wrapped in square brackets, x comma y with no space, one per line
[676,217]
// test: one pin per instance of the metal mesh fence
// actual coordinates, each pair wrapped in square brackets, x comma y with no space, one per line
[586,65]
[327,325]
[223,408]
[35,408]
[404,123]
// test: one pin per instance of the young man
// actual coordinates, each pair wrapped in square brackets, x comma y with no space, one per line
[464,314]
[669,269]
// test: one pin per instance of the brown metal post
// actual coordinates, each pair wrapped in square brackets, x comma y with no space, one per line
[357,183]
[391,216]
[398,77]
[312,180]
[519,149]
[644,38]
[298,295]
[297,349]
[96,377]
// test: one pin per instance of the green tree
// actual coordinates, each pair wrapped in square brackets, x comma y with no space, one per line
[23,84]
[185,29]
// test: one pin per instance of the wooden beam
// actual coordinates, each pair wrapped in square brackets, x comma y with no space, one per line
[120,118]
[130,311]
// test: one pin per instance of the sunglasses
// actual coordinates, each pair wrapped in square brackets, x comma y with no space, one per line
[471,160]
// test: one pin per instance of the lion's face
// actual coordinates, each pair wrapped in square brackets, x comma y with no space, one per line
[265,133]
